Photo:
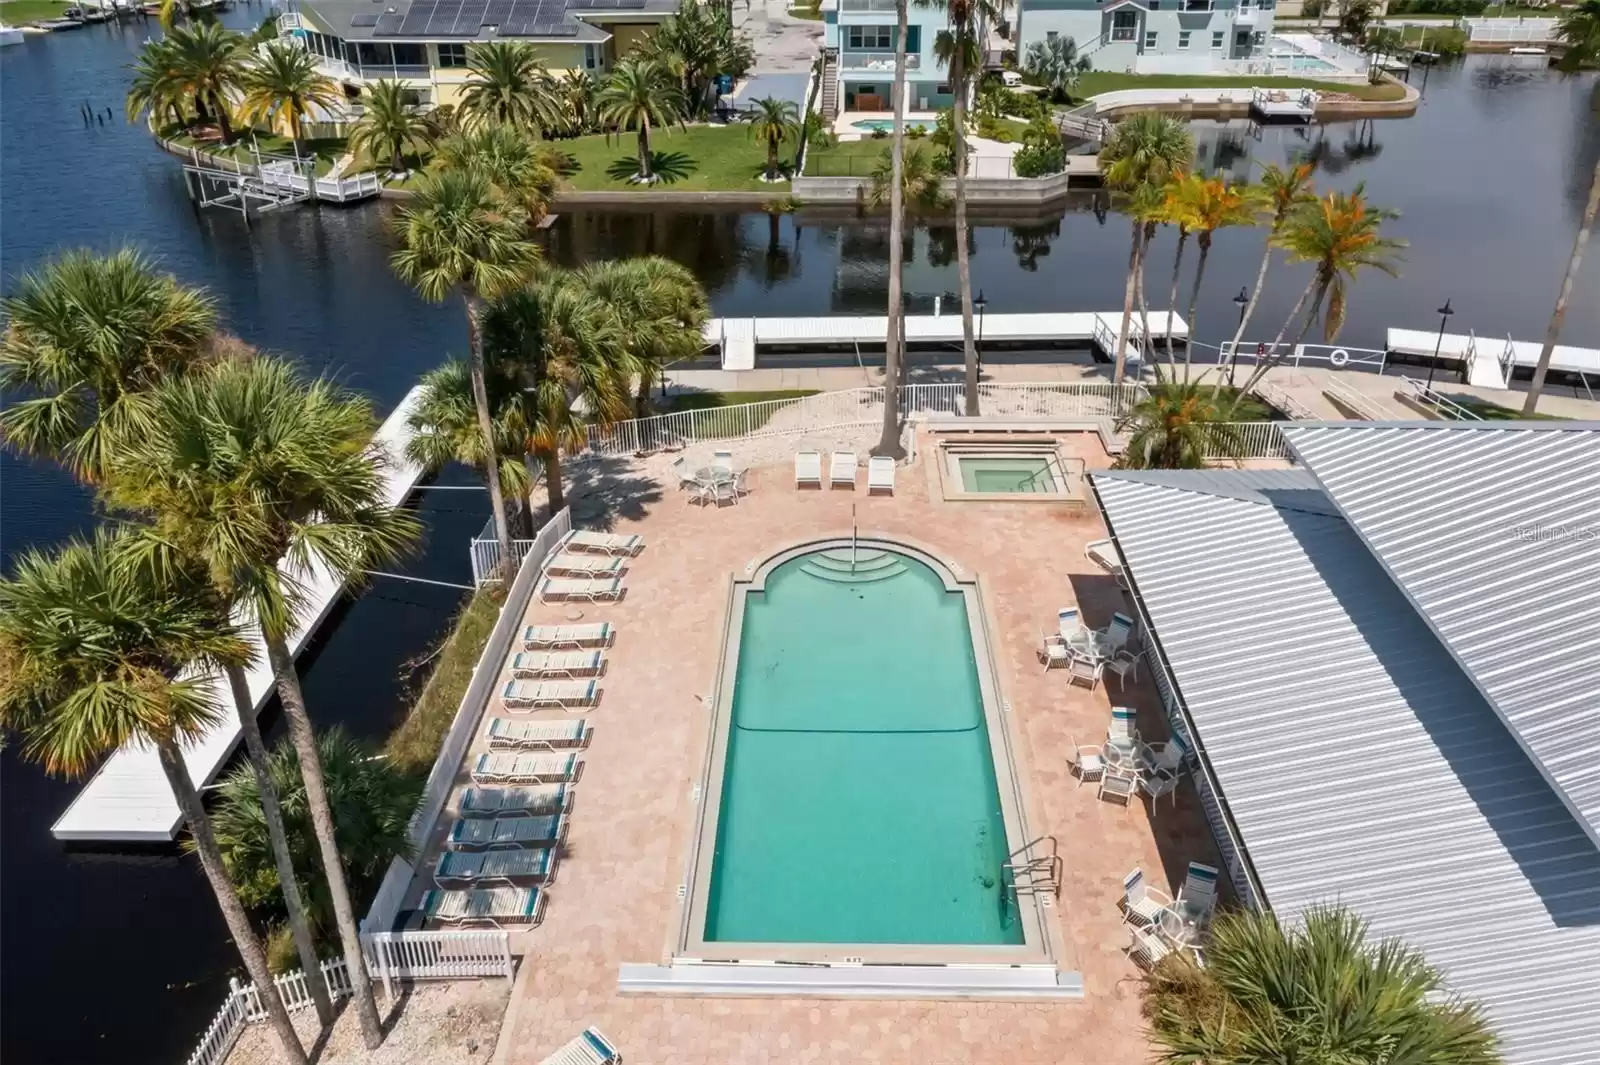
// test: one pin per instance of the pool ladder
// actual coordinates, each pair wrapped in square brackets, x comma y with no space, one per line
[1033,869]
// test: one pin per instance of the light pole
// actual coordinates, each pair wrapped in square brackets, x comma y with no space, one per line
[1444,317]
[978,305]
[1241,301]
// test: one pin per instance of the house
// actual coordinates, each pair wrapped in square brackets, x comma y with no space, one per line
[863,34]
[427,43]
[1385,661]
[1152,36]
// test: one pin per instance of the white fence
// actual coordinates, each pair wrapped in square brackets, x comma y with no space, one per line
[243,1005]
[440,955]
[486,548]
[1511,30]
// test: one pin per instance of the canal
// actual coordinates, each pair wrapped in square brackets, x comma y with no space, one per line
[120,957]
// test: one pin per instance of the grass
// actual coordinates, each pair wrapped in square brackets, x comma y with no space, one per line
[1490,411]
[327,150]
[414,745]
[712,399]
[696,159]
[17,12]
[847,158]
[1095,82]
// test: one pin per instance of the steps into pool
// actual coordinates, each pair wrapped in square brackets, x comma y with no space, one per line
[685,976]
[870,565]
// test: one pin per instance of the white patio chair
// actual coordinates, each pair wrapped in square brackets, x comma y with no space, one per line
[1199,890]
[1053,651]
[1158,784]
[1141,903]
[842,469]
[722,460]
[1119,784]
[734,490]
[807,468]
[1171,756]
[1116,634]
[1087,763]
[1070,625]
[1145,948]
[685,476]
[1123,732]
[1103,553]
[1124,664]
[880,474]
[1080,668]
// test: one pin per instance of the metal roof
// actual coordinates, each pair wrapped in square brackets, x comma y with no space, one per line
[463,21]
[1493,532]
[1357,762]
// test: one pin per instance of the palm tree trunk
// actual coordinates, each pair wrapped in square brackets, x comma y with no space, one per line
[305,747]
[1249,311]
[1531,405]
[644,151]
[889,442]
[1127,306]
[293,901]
[397,161]
[772,159]
[480,400]
[1204,242]
[223,122]
[244,936]
[969,348]
[1144,307]
[552,478]
[1172,300]
[1273,357]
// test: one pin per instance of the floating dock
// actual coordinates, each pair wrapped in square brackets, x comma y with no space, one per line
[737,340]
[1283,105]
[128,800]
[1490,361]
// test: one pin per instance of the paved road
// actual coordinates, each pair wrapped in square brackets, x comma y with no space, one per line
[784,45]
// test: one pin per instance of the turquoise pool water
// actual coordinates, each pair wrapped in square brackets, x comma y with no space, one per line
[868,125]
[1010,473]
[859,802]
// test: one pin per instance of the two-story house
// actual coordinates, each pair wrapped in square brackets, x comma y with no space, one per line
[1151,36]
[865,36]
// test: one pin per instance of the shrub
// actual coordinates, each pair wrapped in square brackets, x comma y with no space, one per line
[879,134]
[916,133]
[995,130]
[1040,160]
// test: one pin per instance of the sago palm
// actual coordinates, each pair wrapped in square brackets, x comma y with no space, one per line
[1177,425]
[921,182]
[1204,206]
[507,82]
[457,233]
[1146,150]
[639,95]
[577,90]
[95,655]
[209,63]
[85,337]
[445,427]
[245,467]
[521,169]
[661,311]
[772,122]
[1318,991]
[389,124]
[282,86]
[1283,191]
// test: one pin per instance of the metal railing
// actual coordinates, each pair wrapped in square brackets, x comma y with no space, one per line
[1437,402]
[1540,30]
[486,547]
[1257,440]
[847,7]
[876,61]
[1358,403]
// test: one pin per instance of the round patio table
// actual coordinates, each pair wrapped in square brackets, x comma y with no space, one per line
[712,479]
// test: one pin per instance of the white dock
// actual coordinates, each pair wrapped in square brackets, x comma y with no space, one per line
[1285,105]
[128,799]
[1490,360]
[736,340]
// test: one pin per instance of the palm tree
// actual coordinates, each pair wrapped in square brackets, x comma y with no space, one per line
[246,466]
[522,170]
[508,83]
[921,181]
[1283,192]
[95,656]
[1202,207]
[661,312]
[282,86]
[638,94]
[157,86]
[445,424]
[208,63]
[86,336]
[1148,149]
[1339,235]
[1173,195]
[1056,62]
[1316,991]
[1177,425]
[458,234]
[577,88]
[772,122]
[390,123]
[1552,333]
[1579,29]
[894,342]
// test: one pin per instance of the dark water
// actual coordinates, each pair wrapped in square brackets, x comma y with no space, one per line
[122,958]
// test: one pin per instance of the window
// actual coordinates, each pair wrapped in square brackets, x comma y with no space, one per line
[1153,5]
[1183,39]
[1124,24]
[1149,39]
[1218,38]
[1258,38]
[1197,5]
[411,55]
[941,90]
[452,55]
[873,38]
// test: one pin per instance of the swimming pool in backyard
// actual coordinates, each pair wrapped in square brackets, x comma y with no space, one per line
[872,125]
[862,797]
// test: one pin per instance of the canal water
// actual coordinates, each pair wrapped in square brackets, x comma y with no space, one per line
[120,957]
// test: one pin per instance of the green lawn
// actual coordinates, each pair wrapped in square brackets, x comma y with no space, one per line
[17,12]
[1095,82]
[846,158]
[1494,412]
[696,159]
[327,151]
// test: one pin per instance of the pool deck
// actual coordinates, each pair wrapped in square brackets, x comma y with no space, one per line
[615,899]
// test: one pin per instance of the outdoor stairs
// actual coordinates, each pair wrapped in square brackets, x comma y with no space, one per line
[830,83]
[870,565]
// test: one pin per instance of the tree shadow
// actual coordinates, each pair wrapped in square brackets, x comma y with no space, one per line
[666,167]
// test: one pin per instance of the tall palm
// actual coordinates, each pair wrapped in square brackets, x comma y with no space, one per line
[1552,332]
[640,94]
[1320,990]
[1340,236]
[1174,194]
[1148,149]
[1283,192]
[282,86]
[522,170]
[93,655]
[246,466]
[389,124]
[894,344]
[1177,425]
[772,122]
[209,63]
[1148,208]
[661,312]
[157,86]
[1203,207]
[457,233]
[85,337]
[507,82]
[445,424]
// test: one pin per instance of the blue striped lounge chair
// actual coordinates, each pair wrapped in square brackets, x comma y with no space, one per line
[536,664]
[508,735]
[532,694]
[587,1048]
[546,637]
[586,564]
[478,867]
[520,831]
[496,906]
[591,589]
[506,768]
[516,802]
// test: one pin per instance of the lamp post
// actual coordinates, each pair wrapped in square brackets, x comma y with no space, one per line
[1444,317]
[1241,301]
[978,305]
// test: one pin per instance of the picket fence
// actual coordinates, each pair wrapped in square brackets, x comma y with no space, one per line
[243,1006]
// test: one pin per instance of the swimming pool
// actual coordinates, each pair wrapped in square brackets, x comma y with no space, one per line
[1018,473]
[859,798]
[871,125]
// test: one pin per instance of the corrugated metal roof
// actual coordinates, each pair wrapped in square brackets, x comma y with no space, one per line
[1493,532]
[1357,761]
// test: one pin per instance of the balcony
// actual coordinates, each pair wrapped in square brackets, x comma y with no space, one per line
[1246,15]
[877,62]
[859,7]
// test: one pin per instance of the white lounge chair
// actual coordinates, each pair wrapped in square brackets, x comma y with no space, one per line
[532,694]
[469,832]
[556,663]
[1073,633]
[580,588]
[508,864]
[1199,890]
[582,564]
[880,474]
[1142,904]
[501,768]
[1103,553]
[544,637]
[589,1048]
[807,469]
[508,735]
[496,906]
[604,543]
[842,469]
[540,799]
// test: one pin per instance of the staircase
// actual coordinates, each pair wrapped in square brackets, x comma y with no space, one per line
[869,566]
[830,83]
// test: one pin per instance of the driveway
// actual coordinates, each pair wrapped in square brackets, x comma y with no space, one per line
[783,44]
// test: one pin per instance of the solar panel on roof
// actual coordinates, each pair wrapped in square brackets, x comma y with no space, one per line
[388,25]
[554,29]
[471,17]
[444,17]
[497,12]
[417,16]
[366,18]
